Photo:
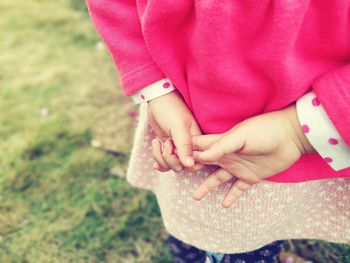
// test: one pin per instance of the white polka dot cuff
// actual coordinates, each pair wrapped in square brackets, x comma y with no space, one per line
[153,91]
[321,132]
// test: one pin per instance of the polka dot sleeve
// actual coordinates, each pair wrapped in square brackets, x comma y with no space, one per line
[321,132]
[153,91]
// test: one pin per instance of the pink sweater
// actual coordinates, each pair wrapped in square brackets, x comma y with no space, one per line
[232,60]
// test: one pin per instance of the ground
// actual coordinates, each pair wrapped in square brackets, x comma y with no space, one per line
[60,201]
[66,132]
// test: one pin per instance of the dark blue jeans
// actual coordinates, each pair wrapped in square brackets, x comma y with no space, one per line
[183,253]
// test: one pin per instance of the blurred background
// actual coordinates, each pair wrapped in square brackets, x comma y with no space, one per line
[65,137]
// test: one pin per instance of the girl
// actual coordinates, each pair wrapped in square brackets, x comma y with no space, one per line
[270,81]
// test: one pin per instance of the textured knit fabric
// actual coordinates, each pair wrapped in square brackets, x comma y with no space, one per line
[267,212]
[232,60]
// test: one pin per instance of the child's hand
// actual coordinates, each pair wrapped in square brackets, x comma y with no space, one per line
[170,118]
[257,148]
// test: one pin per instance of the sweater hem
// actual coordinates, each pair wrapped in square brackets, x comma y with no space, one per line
[141,77]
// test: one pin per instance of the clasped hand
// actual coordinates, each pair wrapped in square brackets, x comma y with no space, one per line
[251,151]
[255,149]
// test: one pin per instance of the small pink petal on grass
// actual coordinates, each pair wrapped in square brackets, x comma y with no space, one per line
[132,113]
[130,109]
[96,143]
[44,112]
[100,46]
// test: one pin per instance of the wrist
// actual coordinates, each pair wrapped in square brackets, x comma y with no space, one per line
[162,97]
[299,137]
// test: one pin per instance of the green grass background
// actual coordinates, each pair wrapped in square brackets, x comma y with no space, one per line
[62,200]
[59,201]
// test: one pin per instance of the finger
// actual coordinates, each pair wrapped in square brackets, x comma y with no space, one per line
[157,129]
[248,177]
[244,174]
[198,159]
[211,182]
[238,188]
[202,142]
[229,143]
[157,155]
[156,166]
[196,167]
[171,159]
[182,141]
[195,130]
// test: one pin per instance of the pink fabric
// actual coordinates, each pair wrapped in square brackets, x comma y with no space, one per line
[232,60]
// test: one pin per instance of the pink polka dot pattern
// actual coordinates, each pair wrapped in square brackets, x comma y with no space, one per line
[153,90]
[305,128]
[328,159]
[315,102]
[321,132]
[166,85]
[333,141]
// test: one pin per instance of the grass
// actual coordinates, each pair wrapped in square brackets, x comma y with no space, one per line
[59,200]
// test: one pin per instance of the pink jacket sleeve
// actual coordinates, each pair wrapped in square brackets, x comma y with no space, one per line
[118,23]
[333,91]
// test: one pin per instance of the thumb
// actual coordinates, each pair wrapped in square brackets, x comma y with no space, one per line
[202,142]
[229,143]
[195,129]
[182,141]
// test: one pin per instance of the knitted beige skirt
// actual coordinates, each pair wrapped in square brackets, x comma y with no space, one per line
[267,212]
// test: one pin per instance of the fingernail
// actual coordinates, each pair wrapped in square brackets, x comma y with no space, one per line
[179,169]
[226,205]
[189,161]
[195,197]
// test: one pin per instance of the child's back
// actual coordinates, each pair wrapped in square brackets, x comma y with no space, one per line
[232,60]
